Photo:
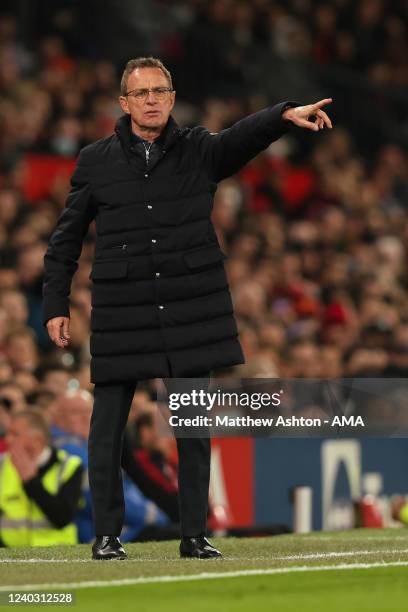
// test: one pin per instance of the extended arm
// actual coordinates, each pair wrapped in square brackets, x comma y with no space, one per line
[225,152]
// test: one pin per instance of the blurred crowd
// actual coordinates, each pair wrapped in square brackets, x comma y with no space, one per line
[283,47]
[315,227]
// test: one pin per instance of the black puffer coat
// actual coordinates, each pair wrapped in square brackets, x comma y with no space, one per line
[161,305]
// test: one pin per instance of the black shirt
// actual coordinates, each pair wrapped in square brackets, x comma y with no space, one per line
[150,151]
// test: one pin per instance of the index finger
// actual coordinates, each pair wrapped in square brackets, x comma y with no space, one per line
[322,102]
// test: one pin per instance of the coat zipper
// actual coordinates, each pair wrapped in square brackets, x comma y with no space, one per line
[118,246]
[147,151]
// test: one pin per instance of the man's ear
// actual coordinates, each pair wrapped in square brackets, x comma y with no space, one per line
[173,98]
[124,104]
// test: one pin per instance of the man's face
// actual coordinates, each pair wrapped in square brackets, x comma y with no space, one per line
[150,113]
[21,437]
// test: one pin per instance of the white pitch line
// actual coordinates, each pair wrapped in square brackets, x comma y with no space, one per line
[309,538]
[202,576]
[300,557]
[334,554]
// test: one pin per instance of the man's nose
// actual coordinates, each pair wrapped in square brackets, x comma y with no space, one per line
[151,98]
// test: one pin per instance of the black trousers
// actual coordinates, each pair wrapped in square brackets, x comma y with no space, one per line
[109,417]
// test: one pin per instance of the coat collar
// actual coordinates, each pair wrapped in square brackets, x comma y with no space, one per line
[171,133]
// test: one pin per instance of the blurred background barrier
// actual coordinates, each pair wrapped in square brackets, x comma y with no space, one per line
[353,482]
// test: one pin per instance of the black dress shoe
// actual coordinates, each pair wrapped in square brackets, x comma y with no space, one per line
[108,547]
[198,548]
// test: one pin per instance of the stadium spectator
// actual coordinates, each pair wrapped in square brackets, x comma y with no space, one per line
[12,396]
[22,350]
[55,379]
[40,486]
[154,452]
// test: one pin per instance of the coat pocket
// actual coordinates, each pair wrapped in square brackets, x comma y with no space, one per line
[203,258]
[109,269]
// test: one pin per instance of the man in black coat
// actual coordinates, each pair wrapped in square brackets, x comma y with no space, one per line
[161,305]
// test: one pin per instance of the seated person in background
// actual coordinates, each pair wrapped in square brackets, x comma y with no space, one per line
[13,395]
[156,456]
[40,486]
[153,452]
[151,482]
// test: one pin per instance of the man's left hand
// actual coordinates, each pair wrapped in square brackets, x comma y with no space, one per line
[299,115]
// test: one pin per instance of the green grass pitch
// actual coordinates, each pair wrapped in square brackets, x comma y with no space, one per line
[361,570]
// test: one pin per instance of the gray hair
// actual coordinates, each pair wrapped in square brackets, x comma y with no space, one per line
[142,62]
